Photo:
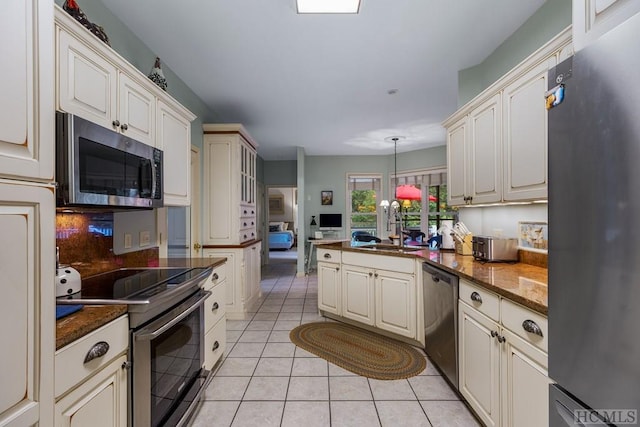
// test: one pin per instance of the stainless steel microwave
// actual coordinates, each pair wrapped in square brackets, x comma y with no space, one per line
[96,166]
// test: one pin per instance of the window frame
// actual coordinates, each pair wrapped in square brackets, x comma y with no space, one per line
[379,196]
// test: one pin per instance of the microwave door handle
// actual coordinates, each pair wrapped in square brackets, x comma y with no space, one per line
[153,178]
[147,336]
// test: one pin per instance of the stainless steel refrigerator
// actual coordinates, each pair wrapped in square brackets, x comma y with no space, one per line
[594,232]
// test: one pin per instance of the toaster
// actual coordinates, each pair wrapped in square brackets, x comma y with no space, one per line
[488,248]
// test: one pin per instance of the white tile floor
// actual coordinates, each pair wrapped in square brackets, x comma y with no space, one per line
[266,381]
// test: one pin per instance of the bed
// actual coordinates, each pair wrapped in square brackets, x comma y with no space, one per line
[279,236]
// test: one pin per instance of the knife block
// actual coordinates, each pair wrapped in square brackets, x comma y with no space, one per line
[466,247]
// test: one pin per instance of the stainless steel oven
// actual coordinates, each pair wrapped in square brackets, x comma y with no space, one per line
[167,356]
[166,342]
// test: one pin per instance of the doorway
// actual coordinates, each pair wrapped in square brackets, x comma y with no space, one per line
[282,231]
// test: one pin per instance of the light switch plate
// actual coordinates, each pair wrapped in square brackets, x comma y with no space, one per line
[145,238]
[127,241]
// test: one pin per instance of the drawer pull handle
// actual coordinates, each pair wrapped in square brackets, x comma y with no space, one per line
[327,256]
[476,297]
[215,276]
[98,350]
[216,345]
[215,306]
[532,327]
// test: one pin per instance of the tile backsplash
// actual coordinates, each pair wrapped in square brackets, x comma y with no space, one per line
[85,241]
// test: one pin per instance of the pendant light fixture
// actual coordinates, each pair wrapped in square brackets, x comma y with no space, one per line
[395,204]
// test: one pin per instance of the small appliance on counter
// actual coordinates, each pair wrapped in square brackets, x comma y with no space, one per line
[493,249]
[68,280]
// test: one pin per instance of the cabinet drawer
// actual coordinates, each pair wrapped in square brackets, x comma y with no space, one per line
[530,326]
[482,300]
[247,211]
[247,223]
[217,299]
[70,368]
[328,255]
[215,343]
[248,234]
[218,276]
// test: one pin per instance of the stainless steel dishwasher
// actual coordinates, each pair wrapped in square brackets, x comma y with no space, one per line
[441,320]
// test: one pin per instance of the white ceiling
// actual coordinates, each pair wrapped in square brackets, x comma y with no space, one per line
[321,81]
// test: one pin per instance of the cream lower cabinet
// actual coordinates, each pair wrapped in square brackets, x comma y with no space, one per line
[383,298]
[93,392]
[215,317]
[101,401]
[358,294]
[502,367]
[243,277]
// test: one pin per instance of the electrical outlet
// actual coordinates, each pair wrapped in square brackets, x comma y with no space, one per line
[145,238]
[127,241]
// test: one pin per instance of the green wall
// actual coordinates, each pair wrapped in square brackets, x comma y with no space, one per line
[552,17]
[330,173]
[281,172]
[131,48]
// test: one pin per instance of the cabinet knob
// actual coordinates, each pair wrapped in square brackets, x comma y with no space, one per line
[501,339]
[215,306]
[370,274]
[245,224]
[494,334]
[476,297]
[376,275]
[216,345]
[337,268]
[99,349]
[124,126]
[532,327]
[327,256]
[126,365]
[215,277]
[115,123]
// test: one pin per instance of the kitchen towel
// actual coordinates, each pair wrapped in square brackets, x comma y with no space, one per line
[65,310]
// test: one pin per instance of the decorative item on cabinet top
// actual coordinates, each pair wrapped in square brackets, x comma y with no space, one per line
[72,8]
[157,76]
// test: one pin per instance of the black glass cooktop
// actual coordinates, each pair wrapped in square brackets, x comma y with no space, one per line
[135,284]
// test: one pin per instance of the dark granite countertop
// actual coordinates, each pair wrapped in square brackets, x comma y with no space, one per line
[522,283]
[90,318]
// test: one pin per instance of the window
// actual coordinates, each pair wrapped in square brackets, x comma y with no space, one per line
[363,192]
[427,213]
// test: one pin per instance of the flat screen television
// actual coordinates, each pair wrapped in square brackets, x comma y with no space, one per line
[330,221]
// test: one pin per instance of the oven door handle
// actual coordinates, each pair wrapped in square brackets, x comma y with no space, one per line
[144,335]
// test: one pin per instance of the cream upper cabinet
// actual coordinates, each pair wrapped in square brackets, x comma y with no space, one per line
[525,135]
[229,185]
[458,161]
[26,118]
[593,18]
[92,87]
[174,139]
[27,221]
[485,151]
[95,83]
[497,143]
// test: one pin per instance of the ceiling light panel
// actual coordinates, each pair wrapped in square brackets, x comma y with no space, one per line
[328,6]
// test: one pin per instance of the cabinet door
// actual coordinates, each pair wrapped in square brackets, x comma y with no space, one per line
[525,383]
[87,82]
[233,289]
[101,401]
[174,139]
[26,260]
[358,294]
[457,165]
[485,182]
[26,109]
[396,302]
[329,287]
[479,363]
[137,110]
[220,195]
[593,18]
[525,135]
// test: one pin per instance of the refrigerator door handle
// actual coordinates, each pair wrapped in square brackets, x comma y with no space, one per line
[567,415]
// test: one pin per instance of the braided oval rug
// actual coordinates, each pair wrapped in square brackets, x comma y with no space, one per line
[359,351]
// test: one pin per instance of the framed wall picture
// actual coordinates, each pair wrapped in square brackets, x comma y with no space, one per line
[533,236]
[276,204]
[327,197]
